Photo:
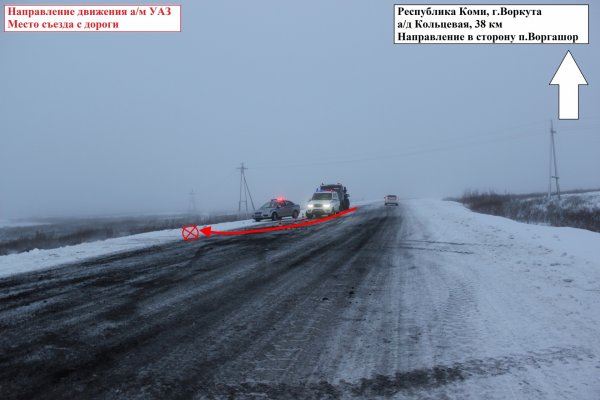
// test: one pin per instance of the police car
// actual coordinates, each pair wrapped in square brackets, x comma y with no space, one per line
[277,209]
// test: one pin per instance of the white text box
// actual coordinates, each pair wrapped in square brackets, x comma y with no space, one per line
[491,23]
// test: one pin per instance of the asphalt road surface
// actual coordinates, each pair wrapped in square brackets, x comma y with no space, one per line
[336,310]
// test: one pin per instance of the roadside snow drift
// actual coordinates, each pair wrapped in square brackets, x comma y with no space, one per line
[40,259]
[518,299]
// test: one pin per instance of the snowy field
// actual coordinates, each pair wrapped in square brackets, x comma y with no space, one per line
[577,210]
[574,202]
[586,201]
[7,223]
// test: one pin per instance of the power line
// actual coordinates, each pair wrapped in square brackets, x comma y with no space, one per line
[553,163]
[410,153]
[466,142]
[244,190]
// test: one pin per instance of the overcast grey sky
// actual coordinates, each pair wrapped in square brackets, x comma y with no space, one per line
[302,92]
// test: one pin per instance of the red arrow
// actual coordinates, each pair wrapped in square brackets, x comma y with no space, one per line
[208,230]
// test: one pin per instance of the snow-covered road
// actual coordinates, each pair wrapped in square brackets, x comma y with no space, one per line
[517,303]
[425,300]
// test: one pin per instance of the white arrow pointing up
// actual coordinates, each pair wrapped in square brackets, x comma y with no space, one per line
[568,77]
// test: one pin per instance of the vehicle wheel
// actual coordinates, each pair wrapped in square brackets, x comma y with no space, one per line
[274,216]
[295,214]
[257,219]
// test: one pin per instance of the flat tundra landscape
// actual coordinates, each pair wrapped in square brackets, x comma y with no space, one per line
[426,300]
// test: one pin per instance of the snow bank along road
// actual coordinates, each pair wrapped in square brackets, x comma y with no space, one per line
[425,300]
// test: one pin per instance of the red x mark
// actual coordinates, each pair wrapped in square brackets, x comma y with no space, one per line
[190,232]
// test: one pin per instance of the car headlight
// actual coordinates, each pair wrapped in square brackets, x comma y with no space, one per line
[327,206]
[310,206]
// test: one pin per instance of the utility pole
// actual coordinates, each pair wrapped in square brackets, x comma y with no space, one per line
[192,202]
[552,176]
[245,190]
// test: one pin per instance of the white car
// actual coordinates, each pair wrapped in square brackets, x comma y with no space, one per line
[323,203]
[390,199]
